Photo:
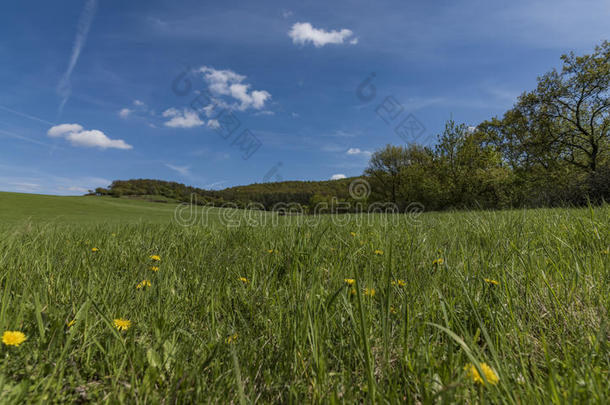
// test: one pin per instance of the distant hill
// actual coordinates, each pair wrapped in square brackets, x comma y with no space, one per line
[265,194]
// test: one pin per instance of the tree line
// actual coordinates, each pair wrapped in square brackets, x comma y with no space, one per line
[552,148]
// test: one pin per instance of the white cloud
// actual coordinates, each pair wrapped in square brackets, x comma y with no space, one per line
[338,176]
[265,112]
[302,33]
[214,124]
[94,138]
[138,103]
[124,113]
[183,170]
[231,84]
[182,119]
[357,151]
[62,129]
[287,13]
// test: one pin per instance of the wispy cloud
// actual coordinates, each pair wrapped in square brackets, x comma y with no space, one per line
[183,170]
[338,176]
[64,87]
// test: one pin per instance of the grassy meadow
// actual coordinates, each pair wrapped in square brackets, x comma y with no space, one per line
[298,312]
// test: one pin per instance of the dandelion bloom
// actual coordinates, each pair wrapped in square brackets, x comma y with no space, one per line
[369,291]
[231,338]
[72,322]
[143,284]
[122,324]
[491,281]
[270,250]
[349,281]
[488,372]
[13,338]
[353,291]
[438,261]
[154,268]
[606,251]
[378,252]
[400,283]
[353,233]
[156,258]
[94,249]
[243,280]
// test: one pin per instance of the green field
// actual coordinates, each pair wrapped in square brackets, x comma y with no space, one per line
[262,313]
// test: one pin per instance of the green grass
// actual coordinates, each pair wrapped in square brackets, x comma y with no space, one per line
[302,336]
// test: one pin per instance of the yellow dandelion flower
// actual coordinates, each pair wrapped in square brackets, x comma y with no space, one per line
[94,249]
[113,234]
[378,252]
[353,291]
[270,250]
[438,261]
[488,372]
[231,338]
[244,280]
[13,338]
[156,258]
[72,322]
[353,233]
[606,251]
[400,283]
[143,284]
[154,268]
[369,291]
[349,281]
[122,324]
[491,281]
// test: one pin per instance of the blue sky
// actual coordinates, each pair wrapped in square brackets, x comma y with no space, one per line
[87,93]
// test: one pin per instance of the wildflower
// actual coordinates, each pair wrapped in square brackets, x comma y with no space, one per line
[378,252]
[156,258]
[13,338]
[231,338]
[122,324]
[270,250]
[113,234]
[438,261]
[94,249]
[488,372]
[491,281]
[72,322]
[243,280]
[606,251]
[353,291]
[393,310]
[353,233]
[349,281]
[154,268]
[400,283]
[143,284]
[369,291]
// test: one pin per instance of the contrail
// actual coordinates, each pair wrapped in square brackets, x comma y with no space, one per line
[84,23]
[24,115]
